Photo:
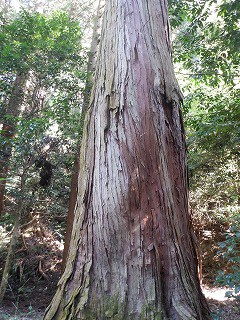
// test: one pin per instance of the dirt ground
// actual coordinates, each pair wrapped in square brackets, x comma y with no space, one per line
[37,268]
[223,308]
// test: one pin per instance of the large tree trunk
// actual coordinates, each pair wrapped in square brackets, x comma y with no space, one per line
[132,253]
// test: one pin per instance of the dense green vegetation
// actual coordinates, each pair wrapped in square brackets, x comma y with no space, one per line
[47,51]
[43,72]
[206,56]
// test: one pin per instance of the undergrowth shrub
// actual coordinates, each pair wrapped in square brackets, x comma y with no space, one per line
[229,249]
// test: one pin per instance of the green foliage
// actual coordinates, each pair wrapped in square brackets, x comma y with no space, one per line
[39,43]
[206,56]
[205,40]
[230,252]
[207,63]
[47,49]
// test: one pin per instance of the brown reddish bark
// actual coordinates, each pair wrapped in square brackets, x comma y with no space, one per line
[88,87]
[8,132]
[132,240]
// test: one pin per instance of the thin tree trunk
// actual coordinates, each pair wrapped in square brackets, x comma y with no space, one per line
[132,254]
[12,245]
[8,263]
[88,87]
[8,131]
[71,211]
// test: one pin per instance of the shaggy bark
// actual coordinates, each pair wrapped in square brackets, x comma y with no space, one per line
[131,240]
[74,181]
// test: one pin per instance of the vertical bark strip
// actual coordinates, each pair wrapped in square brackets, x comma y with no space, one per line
[89,82]
[131,236]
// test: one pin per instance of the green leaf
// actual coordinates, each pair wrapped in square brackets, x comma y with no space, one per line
[222,244]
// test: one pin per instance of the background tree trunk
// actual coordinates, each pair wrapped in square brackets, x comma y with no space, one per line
[13,242]
[132,252]
[71,210]
[8,131]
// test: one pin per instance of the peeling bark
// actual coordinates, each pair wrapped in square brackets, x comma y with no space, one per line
[131,238]
[89,82]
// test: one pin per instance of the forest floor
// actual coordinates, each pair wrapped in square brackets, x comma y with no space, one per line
[36,270]
[223,308]
[33,306]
